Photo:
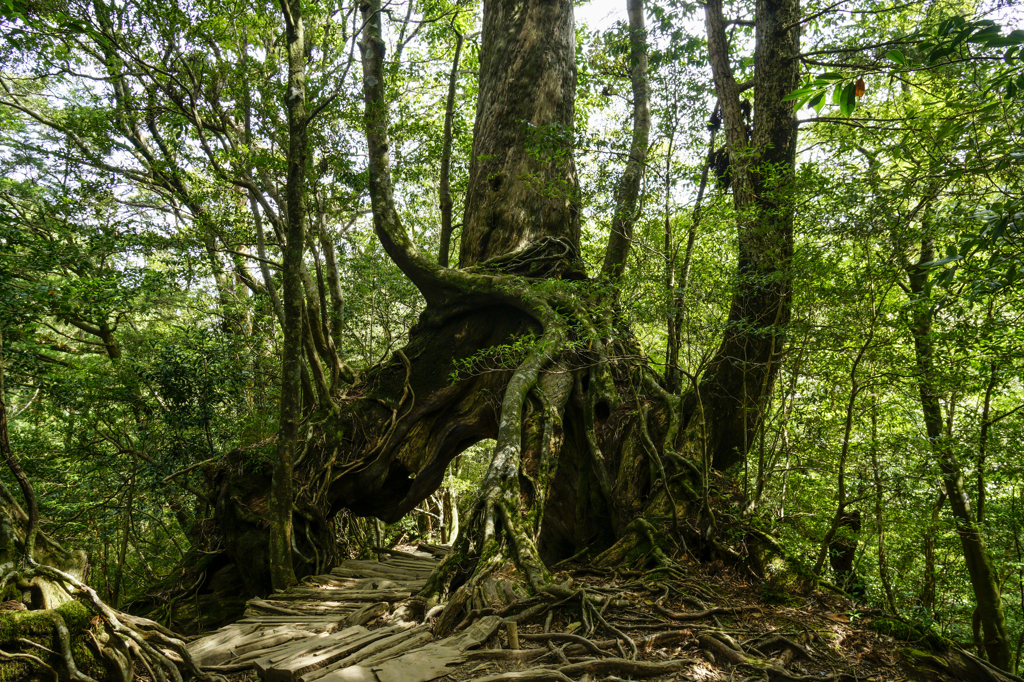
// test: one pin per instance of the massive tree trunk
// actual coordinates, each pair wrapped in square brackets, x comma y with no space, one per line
[522,176]
[587,439]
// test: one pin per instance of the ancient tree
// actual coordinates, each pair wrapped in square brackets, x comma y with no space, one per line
[591,449]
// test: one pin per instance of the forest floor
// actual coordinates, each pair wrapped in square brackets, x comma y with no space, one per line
[701,621]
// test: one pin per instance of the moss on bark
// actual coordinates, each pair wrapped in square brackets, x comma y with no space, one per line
[40,627]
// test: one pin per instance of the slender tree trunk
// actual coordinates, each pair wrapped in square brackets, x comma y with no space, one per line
[445,190]
[254,204]
[282,573]
[986,425]
[673,377]
[883,561]
[122,551]
[931,580]
[840,515]
[337,310]
[980,567]
[1015,515]
[32,529]
[672,335]
[628,189]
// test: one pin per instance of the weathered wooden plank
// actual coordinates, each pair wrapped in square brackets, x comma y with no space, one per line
[367,613]
[435,659]
[215,649]
[422,665]
[405,555]
[328,674]
[414,642]
[302,607]
[355,673]
[328,594]
[281,651]
[330,580]
[440,551]
[260,607]
[316,662]
[378,567]
[289,670]
[269,621]
[268,639]
[420,562]
[476,634]
[389,584]
[383,573]
[282,664]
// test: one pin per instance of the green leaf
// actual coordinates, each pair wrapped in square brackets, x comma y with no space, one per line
[797,94]
[984,34]
[943,261]
[939,52]
[817,102]
[896,56]
[831,77]
[848,100]
[1015,38]
[998,229]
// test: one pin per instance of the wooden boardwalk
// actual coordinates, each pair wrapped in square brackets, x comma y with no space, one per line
[316,631]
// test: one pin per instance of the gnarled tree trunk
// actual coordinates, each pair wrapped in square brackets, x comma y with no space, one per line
[587,439]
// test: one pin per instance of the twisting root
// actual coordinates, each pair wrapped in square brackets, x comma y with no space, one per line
[496,521]
[143,633]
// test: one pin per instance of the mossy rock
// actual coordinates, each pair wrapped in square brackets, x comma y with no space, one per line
[898,629]
[40,627]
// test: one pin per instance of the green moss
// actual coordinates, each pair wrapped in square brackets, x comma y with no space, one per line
[40,627]
[907,632]
[918,657]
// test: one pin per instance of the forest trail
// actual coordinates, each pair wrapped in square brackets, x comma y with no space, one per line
[315,631]
[360,623]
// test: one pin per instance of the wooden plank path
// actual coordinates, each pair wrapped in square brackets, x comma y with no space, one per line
[317,631]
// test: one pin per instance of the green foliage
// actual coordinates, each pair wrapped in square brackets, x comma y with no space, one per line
[503,357]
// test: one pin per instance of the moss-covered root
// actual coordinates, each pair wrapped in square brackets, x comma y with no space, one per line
[121,633]
[502,538]
[639,547]
[66,641]
[952,666]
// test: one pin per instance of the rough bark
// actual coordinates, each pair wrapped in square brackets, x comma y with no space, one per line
[522,176]
[677,286]
[445,188]
[587,440]
[740,375]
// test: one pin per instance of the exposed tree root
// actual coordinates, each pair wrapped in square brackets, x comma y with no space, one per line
[698,615]
[497,529]
[122,640]
[604,666]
